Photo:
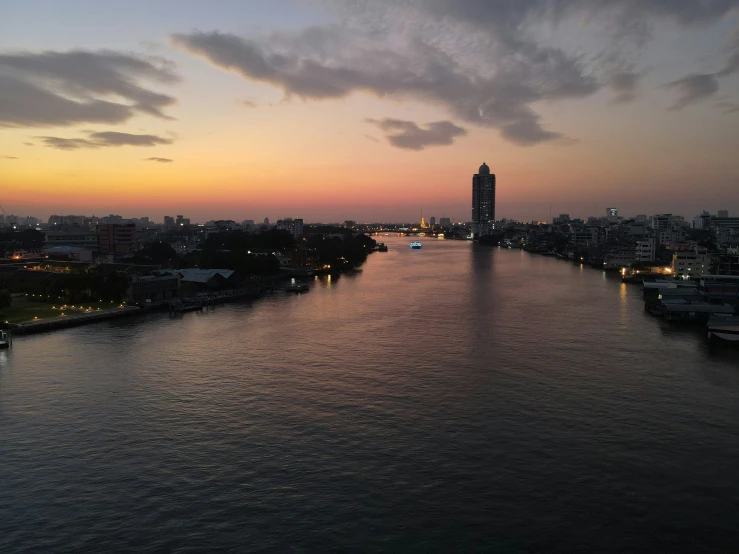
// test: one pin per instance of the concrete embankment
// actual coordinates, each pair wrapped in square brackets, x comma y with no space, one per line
[71,321]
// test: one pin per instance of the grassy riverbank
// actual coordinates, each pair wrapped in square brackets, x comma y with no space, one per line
[25,311]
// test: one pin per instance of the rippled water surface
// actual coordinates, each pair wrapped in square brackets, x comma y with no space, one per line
[454,398]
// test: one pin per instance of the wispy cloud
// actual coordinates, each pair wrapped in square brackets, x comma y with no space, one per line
[728,107]
[103,140]
[693,88]
[624,86]
[159,160]
[486,63]
[8,157]
[330,62]
[51,89]
[408,135]
[370,137]
[248,103]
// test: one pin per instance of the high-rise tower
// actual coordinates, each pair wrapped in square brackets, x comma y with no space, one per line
[483,201]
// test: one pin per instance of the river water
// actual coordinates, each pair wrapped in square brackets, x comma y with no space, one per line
[456,398]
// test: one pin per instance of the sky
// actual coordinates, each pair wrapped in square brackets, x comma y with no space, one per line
[369,110]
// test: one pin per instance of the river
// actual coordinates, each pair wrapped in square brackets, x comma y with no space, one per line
[454,398]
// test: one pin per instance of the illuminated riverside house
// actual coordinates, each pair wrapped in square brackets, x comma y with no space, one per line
[483,201]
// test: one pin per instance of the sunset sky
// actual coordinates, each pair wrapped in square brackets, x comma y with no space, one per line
[370,110]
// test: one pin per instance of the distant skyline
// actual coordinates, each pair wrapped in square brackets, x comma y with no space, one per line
[370,110]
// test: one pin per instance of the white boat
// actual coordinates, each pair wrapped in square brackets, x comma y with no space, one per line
[5,339]
[416,245]
[297,287]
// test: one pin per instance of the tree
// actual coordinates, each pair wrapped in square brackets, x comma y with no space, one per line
[157,253]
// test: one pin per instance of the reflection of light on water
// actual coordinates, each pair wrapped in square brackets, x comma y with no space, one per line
[328,281]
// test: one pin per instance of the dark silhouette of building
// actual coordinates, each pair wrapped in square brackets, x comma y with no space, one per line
[114,238]
[483,201]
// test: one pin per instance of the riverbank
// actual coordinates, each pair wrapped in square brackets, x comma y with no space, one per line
[65,321]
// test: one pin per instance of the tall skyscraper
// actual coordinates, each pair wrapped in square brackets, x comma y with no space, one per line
[483,201]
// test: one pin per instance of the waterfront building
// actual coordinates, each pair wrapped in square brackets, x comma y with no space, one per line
[305,258]
[152,288]
[181,221]
[723,213]
[445,221]
[266,221]
[694,262]
[294,226]
[195,280]
[483,201]
[432,220]
[645,250]
[116,238]
[168,221]
[728,262]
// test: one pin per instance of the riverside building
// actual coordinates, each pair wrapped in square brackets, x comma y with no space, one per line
[483,201]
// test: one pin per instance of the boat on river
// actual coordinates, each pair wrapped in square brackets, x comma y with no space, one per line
[5,339]
[382,247]
[297,287]
[416,245]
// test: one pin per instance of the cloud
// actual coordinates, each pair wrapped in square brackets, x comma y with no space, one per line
[489,63]
[407,134]
[624,86]
[727,107]
[693,88]
[28,143]
[370,137]
[248,103]
[50,89]
[159,160]
[103,140]
[8,157]
[329,62]
[732,54]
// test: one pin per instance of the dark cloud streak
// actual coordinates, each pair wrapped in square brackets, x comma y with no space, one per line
[159,160]
[50,89]
[103,140]
[693,88]
[408,135]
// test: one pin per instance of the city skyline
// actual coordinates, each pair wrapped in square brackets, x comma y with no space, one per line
[368,111]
